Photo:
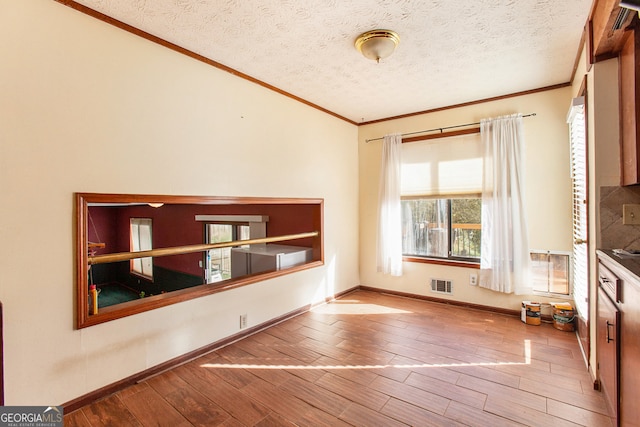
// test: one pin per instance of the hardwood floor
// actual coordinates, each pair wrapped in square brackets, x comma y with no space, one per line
[370,359]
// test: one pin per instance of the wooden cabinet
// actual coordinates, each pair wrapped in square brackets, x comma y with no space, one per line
[613,31]
[618,335]
[630,109]
[608,341]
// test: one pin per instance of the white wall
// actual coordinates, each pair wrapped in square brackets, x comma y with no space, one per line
[548,194]
[86,107]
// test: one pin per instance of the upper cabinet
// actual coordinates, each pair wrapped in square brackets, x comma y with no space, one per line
[629,111]
[615,31]
[607,27]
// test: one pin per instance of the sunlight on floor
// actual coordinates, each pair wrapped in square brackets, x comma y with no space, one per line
[526,361]
[340,367]
[356,307]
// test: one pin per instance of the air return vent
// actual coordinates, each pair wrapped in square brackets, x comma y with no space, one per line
[623,14]
[441,286]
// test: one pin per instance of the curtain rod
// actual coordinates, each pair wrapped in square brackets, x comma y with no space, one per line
[440,129]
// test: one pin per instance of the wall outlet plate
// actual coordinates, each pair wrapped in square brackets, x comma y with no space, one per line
[473,279]
[631,214]
[243,321]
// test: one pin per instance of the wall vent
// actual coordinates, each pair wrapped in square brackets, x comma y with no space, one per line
[623,14]
[441,286]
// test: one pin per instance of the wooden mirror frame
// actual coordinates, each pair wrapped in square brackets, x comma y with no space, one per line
[281,205]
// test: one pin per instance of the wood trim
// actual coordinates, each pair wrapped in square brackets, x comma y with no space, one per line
[629,95]
[157,301]
[90,397]
[606,42]
[441,135]
[133,30]
[585,37]
[499,310]
[83,319]
[582,332]
[589,46]
[136,31]
[466,104]
[191,199]
[452,263]
[74,404]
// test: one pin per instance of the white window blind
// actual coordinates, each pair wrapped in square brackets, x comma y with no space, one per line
[577,133]
[448,166]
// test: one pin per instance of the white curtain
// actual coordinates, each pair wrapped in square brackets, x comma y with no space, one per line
[389,245]
[504,265]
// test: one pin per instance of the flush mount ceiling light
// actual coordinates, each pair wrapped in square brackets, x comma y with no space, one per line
[377,44]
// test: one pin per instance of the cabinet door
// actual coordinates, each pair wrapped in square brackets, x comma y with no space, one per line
[630,109]
[608,324]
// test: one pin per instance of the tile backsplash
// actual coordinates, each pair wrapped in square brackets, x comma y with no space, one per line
[614,235]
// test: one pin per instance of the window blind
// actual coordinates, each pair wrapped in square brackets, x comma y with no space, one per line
[577,133]
[449,166]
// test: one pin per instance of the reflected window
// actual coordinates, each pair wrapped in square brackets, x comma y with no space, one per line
[140,234]
[550,272]
[218,261]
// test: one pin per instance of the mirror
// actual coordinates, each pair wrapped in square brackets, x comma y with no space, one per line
[140,252]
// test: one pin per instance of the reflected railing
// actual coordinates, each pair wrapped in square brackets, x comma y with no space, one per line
[181,250]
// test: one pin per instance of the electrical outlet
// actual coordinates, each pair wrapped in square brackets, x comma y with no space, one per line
[473,279]
[243,321]
[631,214]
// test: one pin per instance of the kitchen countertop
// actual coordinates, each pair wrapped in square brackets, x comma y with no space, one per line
[630,263]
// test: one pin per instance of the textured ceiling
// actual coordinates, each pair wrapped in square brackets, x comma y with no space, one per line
[450,52]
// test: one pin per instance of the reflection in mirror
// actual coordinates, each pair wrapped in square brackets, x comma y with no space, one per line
[144,252]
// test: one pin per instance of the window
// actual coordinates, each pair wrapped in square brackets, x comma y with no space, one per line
[550,272]
[579,180]
[441,203]
[219,260]
[141,241]
[442,228]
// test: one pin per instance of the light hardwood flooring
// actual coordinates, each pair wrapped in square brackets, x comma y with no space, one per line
[370,359]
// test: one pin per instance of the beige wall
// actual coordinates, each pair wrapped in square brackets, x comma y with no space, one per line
[548,194]
[86,107]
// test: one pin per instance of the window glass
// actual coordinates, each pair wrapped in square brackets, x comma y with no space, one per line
[441,228]
[466,227]
[425,227]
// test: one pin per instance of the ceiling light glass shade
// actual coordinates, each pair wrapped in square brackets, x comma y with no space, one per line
[377,44]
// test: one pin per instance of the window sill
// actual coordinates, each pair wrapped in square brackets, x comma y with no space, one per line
[142,305]
[438,261]
[553,295]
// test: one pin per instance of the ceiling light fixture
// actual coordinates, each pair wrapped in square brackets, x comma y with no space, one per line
[377,44]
